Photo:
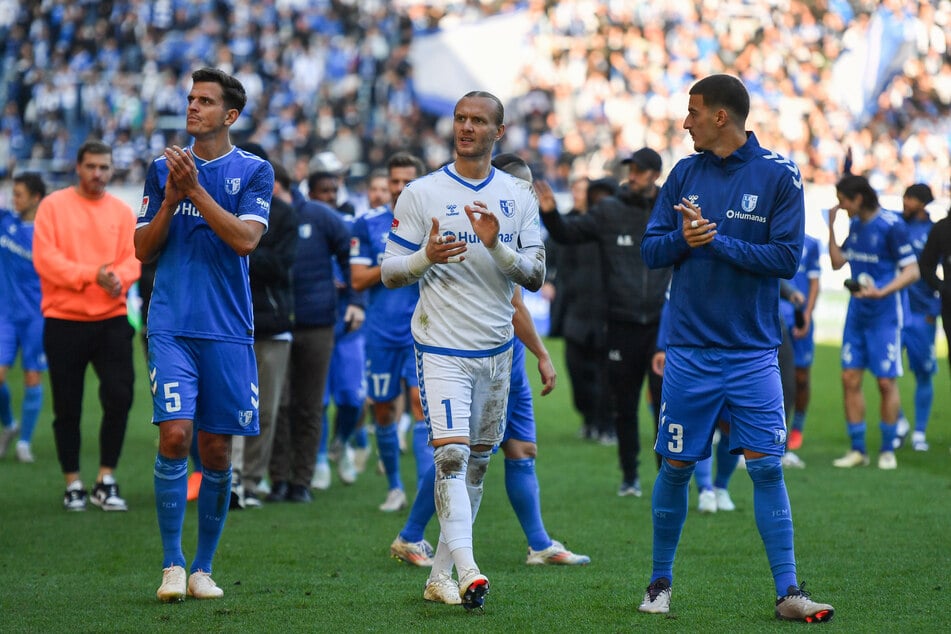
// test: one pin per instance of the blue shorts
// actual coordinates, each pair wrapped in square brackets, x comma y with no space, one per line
[876,348]
[25,335]
[520,415]
[346,381]
[804,350]
[701,385]
[213,383]
[387,369]
[917,337]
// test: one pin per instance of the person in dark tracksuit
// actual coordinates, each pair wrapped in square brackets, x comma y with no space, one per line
[635,295]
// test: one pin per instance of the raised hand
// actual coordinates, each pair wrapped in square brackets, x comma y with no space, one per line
[484,223]
[444,249]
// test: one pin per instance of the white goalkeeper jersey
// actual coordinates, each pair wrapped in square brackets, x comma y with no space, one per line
[464,308]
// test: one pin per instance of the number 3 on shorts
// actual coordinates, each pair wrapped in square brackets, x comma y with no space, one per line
[676,442]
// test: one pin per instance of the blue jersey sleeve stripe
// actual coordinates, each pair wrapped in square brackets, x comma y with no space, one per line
[403,242]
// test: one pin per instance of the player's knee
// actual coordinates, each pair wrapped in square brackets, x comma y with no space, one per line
[519,449]
[478,463]
[174,439]
[765,470]
[451,461]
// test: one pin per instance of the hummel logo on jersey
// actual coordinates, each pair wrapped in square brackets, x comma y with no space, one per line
[508,207]
[749,202]
[451,210]
[693,198]
[255,393]
[625,241]
[232,185]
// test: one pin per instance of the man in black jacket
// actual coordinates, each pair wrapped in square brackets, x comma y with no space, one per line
[938,251]
[634,295]
[273,303]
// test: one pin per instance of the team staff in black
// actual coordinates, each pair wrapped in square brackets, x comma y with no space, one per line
[938,251]
[635,294]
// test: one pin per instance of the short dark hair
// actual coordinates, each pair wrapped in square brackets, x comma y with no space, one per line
[513,164]
[314,177]
[724,91]
[92,146]
[32,181]
[499,110]
[405,159]
[853,185]
[232,90]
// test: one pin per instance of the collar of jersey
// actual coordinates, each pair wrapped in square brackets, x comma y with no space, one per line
[474,186]
[200,161]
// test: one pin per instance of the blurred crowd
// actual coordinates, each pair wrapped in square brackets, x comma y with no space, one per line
[606,77]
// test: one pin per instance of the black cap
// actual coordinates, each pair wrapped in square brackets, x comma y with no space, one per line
[607,185]
[646,159]
[920,191]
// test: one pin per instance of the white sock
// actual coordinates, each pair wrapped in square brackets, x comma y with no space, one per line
[475,476]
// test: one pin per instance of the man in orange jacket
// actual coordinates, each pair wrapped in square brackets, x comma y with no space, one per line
[85,257]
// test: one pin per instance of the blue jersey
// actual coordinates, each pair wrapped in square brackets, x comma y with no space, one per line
[880,248]
[919,297]
[389,310]
[19,283]
[201,285]
[726,294]
[808,270]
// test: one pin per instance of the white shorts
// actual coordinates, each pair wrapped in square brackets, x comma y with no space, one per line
[465,396]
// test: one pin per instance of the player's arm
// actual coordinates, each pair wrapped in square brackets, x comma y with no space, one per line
[835,250]
[362,275]
[525,330]
[240,235]
[574,230]
[525,267]
[149,239]
[663,244]
[779,256]
[904,253]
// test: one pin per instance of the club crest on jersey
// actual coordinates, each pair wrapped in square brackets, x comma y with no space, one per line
[305,231]
[232,185]
[749,202]
[508,207]
[245,416]
[452,210]
[145,206]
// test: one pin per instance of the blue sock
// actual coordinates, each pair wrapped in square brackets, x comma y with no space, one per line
[669,510]
[423,508]
[857,436]
[703,474]
[171,491]
[388,444]
[360,440]
[6,413]
[422,450]
[213,499]
[726,463]
[798,420]
[347,417]
[774,519]
[889,433]
[521,484]
[30,411]
[924,397]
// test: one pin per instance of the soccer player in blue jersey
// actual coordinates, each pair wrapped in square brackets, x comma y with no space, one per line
[21,321]
[390,360]
[204,210]
[729,219]
[921,305]
[882,259]
[468,233]
[798,315]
